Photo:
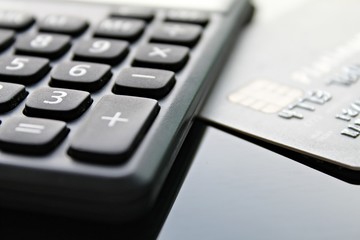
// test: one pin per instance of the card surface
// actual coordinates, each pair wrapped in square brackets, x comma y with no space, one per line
[294,81]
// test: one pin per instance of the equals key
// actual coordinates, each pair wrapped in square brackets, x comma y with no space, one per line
[36,136]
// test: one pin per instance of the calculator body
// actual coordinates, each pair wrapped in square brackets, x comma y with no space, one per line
[125,190]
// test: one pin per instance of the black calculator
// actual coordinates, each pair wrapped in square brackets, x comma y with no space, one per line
[96,98]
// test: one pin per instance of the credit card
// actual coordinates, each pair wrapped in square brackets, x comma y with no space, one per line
[294,81]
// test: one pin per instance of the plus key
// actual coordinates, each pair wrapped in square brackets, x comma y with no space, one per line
[114,119]
[113,129]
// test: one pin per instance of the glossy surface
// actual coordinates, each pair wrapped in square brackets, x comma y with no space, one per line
[237,190]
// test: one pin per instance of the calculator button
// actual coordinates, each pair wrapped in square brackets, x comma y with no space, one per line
[134,12]
[162,56]
[23,69]
[101,50]
[80,75]
[7,37]
[44,45]
[144,82]
[25,135]
[15,20]
[57,103]
[120,28]
[113,129]
[186,16]
[63,24]
[11,95]
[177,33]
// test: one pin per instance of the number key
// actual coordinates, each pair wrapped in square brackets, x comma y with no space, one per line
[101,50]
[120,28]
[15,20]
[57,103]
[24,70]
[63,24]
[44,45]
[11,95]
[80,75]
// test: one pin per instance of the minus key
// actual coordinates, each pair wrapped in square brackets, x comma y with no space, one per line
[144,82]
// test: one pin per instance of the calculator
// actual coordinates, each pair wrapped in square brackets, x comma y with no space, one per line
[97,97]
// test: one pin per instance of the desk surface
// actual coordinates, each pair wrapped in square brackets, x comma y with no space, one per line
[238,190]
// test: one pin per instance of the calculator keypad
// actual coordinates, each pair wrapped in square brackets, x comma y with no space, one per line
[63,84]
[102,112]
